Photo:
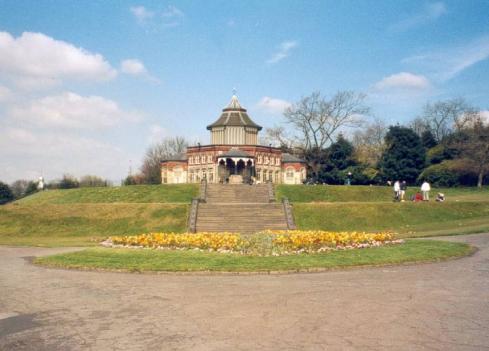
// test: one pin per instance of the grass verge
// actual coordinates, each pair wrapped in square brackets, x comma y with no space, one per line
[190,261]
[360,193]
[85,224]
[408,219]
[161,193]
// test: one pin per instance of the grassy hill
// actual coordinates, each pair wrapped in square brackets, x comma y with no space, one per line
[85,216]
[370,208]
[358,193]
[178,193]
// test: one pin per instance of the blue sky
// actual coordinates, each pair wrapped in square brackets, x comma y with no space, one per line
[86,86]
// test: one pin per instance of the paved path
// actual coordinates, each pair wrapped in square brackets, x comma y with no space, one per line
[441,306]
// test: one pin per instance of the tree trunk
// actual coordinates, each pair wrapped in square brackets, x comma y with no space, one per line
[480,178]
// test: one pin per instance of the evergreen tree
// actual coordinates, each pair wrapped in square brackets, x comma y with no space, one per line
[6,194]
[341,154]
[339,157]
[404,157]
[428,139]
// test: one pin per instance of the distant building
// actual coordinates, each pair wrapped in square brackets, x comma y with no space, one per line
[233,156]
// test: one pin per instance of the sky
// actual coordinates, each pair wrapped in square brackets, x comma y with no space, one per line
[87,86]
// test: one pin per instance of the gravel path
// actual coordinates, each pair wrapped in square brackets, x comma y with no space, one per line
[440,306]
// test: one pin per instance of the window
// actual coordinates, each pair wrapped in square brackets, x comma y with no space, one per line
[209,158]
[260,159]
[258,175]
[289,173]
[177,175]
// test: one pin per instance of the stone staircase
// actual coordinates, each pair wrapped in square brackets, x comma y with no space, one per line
[241,208]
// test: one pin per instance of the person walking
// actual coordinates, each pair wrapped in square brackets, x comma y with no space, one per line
[403,188]
[397,190]
[425,189]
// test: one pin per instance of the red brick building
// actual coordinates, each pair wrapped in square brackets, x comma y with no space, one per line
[233,155]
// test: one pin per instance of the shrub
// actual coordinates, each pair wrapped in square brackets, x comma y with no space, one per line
[6,194]
[440,175]
[92,181]
[68,182]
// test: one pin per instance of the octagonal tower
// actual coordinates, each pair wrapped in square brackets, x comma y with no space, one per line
[234,126]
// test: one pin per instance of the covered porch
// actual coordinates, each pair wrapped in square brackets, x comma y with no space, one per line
[236,165]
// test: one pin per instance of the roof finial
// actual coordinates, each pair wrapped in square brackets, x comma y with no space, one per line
[234,91]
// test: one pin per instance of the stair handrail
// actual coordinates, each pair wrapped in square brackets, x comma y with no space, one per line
[271,192]
[203,191]
[289,217]
[192,216]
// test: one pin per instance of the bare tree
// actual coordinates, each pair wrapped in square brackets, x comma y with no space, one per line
[93,181]
[419,125]
[473,143]
[278,136]
[151,167]
[441,117]
[318,120]
[369,143]
[19,188]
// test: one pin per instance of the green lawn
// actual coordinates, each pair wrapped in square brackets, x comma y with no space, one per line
[359,193]
[176,261]
[85,224]
[177,193]
[87,215]
[408,219]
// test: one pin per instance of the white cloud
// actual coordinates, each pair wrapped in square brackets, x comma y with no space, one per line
[485,116]
[53,154]
[5,93]
[284,50]
[156,133]
[37,60]
[403,81]
[142,14]
[133,67]
[169,17]
[274,106]
[445,64]
[431,12]
[69,110]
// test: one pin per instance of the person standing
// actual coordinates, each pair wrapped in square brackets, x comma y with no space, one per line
[403,188]
[425,189]
[397,190]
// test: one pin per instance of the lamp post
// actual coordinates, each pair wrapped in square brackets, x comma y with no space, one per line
[348,179]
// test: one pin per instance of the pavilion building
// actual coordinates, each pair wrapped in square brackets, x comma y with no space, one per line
[234,155]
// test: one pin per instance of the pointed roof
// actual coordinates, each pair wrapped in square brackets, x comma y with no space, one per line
[234,104]
[234,115]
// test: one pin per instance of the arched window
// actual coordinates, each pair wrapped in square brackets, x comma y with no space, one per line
[289,173]
[178,175]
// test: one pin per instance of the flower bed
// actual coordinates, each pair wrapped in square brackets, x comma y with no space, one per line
[264,244]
